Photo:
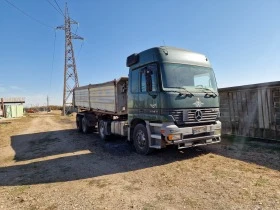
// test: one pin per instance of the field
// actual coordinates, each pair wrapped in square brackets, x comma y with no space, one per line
[46,164]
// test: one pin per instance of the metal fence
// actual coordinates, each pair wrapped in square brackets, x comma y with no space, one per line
[251,110]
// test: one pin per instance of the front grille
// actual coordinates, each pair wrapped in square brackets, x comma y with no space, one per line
[187,116]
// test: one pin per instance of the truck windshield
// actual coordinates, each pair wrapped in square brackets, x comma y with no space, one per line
[194,78]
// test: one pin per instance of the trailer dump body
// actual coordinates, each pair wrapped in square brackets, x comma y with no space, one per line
[109,97]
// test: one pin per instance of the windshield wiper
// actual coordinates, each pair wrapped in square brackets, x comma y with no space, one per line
[181,92]
[204,88]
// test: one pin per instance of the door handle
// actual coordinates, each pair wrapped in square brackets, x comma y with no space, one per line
[141,111]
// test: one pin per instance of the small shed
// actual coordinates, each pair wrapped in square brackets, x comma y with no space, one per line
[11,107]
[13,110]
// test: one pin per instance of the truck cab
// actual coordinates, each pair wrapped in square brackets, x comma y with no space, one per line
[172,99]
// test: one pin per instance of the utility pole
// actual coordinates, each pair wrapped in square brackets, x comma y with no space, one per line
[70,72]
[2,107]
[48,103]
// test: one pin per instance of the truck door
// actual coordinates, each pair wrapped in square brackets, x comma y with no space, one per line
[149,97]
[133,95]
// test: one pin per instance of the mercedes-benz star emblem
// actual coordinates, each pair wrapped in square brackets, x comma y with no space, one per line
[198,115]
[198,103]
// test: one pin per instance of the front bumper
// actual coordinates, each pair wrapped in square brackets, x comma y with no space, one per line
[192,136]
[198,141]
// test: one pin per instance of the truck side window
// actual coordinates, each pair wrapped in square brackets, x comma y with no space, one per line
[134,81]
[152,68]
[143,82]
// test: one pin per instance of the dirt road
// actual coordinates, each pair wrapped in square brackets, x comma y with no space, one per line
[46,164]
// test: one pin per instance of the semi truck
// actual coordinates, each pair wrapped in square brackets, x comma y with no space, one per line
[170,97]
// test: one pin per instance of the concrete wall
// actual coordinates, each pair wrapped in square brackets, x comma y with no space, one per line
[251,110]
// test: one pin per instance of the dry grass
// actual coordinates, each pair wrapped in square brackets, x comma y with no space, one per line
[232,175]
[12,127]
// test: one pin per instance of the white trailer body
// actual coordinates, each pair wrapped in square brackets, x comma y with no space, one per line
[107,98]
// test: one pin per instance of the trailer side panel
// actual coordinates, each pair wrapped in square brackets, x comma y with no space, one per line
[109,97]
[103,98]
[81,98]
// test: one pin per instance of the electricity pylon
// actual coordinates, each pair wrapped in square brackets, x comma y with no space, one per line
[70,72]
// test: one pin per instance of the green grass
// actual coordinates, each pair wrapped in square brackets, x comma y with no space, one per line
[261,182]
[149,206]
[131,188]
[20,189]
[100,183]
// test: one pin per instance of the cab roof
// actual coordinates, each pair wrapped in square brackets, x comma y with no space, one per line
[167,54]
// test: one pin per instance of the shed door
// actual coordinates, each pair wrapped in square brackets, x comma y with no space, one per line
[19,110]
[14,110]
[8,111]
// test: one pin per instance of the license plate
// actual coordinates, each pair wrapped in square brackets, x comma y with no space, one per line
[201,129]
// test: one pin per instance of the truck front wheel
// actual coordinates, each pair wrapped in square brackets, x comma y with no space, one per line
[141,140]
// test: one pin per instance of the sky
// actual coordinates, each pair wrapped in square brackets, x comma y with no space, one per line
[240,37]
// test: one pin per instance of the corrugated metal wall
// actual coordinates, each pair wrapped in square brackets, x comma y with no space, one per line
[12,111]
[251,110]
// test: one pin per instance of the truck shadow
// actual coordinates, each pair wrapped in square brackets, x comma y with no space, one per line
[57,156]
[44,144]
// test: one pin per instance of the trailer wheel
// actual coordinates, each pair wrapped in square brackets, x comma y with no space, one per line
[85,127]
[79,123]
[141,140]
[101,130]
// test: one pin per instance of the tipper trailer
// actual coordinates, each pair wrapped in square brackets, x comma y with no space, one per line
[169,98]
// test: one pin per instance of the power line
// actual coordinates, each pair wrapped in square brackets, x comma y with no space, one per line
[26,14]
[53,58]
[60,12]
[77,29]
[82,44]
[59,7]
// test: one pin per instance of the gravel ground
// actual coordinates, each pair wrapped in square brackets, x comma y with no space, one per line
[46,164]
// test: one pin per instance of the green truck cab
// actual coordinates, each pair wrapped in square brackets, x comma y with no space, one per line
[169,98]
[172,99]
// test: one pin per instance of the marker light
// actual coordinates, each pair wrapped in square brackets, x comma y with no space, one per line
[172,137]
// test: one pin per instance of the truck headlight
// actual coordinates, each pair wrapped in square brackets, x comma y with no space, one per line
[172,137]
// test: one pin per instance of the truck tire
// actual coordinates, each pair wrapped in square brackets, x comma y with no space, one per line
[79,123]
[141,140]
[101,130]
[85,127]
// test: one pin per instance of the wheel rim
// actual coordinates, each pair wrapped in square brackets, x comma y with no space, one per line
[141,139]
[101,130]
[84,125]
